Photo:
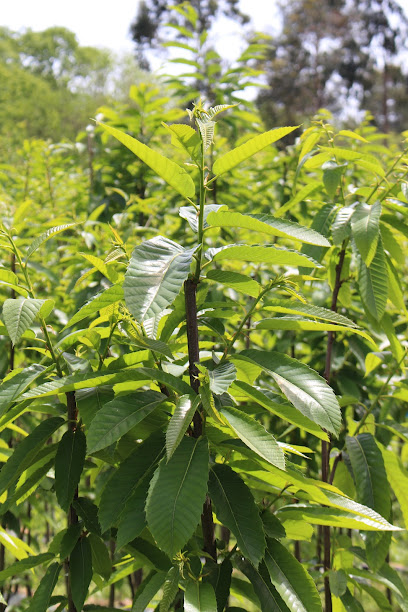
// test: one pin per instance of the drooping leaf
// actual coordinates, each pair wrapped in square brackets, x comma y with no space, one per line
[118,417]
[88,512]
[132,519]
[199,597]
[373,283]
[42,595]
[52,231]
[18,314]
[147,590]
[219,576]
[262,254]
[170,588]
[267,224]
[268,595]
[101,562]
[255,436]
[291,580]
[69,462]
[22,566]
[67,542]
[350,603]
[156,273]
[235,280]
[102,300]
[221,377]
[80,570]
[182,482]
[25,452]
[236,156]
[303,387]
[236,509]
[366,229]
[398,479]
[168,170]
[179,422]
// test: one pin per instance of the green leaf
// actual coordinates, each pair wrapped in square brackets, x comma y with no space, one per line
[187,138]
[398,479]
[132,519]
[179,422]
[236,156]
[53,231]
[101,563]
[236,509]
[191,214]
[199,597]
[170,588]
[119,416]
[42,596]
[321,223]
[88,512]
[234,280]
[219,576]
[182,482]
[106,298]
[156,273]
[171,172]
[68,541]
[80,570]
[268,596]
[301,195]
[26,451]
[268,225]
[350,603]
[341,227]
[18,314]
[14,386]
[291,580]
[303,387]
[262,254]
[127,478]
[147,590]
[317,312]
[333,517]
[373,283]
[22,566]
[255,436]
[338,582]
[69,463]
[221,377]
[365,226]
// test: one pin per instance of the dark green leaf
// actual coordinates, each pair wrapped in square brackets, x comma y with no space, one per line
[22,566]
[101,563]
[80,570]
[265,590]
[69,463]
[42,596]
[199,597]
[88,512]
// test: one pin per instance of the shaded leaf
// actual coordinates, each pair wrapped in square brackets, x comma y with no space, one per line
[80,569]
[199,597]
[69,462]
[42,596]
[268,595]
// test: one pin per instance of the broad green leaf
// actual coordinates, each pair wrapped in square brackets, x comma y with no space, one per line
[338,582]
[351,134]
[365,226]
[221,377]
[321,223]
[41,598]
[157,346]
[333,517]
[236,156]
[308,325]
[22,566]
[219,576]
[350,603]
[236,509]
[101,562]
[341,227]
[106,377]
[267,224]
[124,481]
[147,590]
[63,543]
[170,588]
[234,280]
[199,597]
[179,422]
[102,300]
[255,436]
[26,451]
[191,214]
[119,416]
[80,571]
[262,254]
[373,283]
[88,512]
[69,463]
[269,597]
[132,518]
[291,580]
[168,170]
[283,410]
[187,138]
[156,273]
[15,385]
[297,308]
[332,174]
[398,479]
[182,482]
[53,231]
[303,387]
[150,553]
[18,314]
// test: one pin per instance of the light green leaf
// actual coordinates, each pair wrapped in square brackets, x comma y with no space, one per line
[80,570]
[268,225]
[118,417]
[221,377]
[191,214]
[106,298]
[187,138]
[291,580]
[351,134]
[15,385]
[333,517]
[18,314]
[365,226]
[22,566]
[126,480]
[26,451]
[398,479]
[234,280]
[297,308]
[236,156]
[69,463]
[199,597]
[338,582]
[301,195]
[269,597]
[255,436]
[341,227]
[179,422]
[236,509]
[303,387]
[171,172]
[157,346]
[156,273]
[182,482]
[262,254]
[41,598]
[373,283]
[147,590]
[53,231]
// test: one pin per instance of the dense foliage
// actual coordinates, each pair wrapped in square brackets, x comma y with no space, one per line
[203,382]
